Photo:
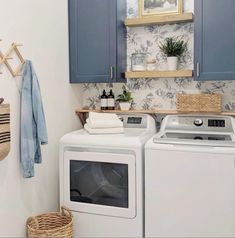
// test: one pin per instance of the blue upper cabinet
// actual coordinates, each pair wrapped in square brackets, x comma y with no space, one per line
[97,41]
[214,40]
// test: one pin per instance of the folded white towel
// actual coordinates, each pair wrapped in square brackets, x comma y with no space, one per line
[103,120]
[97,124]
[102,116]
[104,130]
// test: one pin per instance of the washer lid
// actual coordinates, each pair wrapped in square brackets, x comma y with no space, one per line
[203,130]
[193,138]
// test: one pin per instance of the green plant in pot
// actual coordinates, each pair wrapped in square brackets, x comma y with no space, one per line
[173,48]
[124,99]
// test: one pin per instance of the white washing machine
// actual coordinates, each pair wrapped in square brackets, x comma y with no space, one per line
[101,179]
[190,178]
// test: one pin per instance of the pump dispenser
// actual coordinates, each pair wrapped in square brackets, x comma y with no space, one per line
[104,101]
[111,101]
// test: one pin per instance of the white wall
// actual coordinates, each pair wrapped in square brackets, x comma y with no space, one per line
[41,26]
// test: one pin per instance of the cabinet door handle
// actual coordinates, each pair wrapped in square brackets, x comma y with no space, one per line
[111,72]
[198,69]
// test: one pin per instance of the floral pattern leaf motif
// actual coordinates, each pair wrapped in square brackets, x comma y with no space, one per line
[199,86]
[131,11]
[167,94]
[138,84]
[93,102]
[133,105]
[109,85]
[159,34]
[132,37]
[215,87]
[89,86]
[230,106]
[188,28]
[183,82]
[146,103]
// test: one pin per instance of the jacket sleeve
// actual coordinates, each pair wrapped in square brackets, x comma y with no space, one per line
[27,142]
[38,112]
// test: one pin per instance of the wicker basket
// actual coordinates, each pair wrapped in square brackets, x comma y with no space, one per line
[55,224]
[5,134]
[207,102]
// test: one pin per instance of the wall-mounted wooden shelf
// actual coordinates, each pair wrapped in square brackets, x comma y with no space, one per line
[82,112]
[154,20]
[159,74]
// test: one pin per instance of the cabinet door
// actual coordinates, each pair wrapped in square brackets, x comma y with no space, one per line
[92,30]
[214,40]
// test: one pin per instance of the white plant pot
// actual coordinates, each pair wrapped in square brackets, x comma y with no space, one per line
[172,63]
[125,106]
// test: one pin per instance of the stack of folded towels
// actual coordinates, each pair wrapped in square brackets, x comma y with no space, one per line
[103,123]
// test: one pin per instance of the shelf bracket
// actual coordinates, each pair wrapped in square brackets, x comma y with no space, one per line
[82,116]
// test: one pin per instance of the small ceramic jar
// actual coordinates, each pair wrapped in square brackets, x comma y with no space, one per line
[151,65]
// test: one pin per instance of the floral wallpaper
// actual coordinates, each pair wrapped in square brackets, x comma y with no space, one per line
[159,92]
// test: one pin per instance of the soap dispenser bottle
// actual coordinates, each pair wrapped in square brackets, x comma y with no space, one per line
[104,101]
[111,101]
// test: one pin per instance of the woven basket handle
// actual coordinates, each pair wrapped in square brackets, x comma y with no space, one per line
[1,100]
[34,219]
[66,211]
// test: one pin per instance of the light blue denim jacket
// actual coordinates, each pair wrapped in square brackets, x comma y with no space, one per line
[33,124]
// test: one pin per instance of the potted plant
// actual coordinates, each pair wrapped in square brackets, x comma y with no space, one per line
[173,48]
[124,99]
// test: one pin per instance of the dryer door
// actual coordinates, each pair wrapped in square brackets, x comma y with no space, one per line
[100,183]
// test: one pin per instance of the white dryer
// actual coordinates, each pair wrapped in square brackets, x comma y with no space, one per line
[101,179]
[190,178]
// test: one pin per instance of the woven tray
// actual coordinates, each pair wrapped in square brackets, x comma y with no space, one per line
[198,102]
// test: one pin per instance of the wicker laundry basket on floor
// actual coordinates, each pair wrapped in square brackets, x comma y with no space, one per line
[54,224]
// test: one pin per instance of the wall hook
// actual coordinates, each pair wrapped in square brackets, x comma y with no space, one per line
[14,48]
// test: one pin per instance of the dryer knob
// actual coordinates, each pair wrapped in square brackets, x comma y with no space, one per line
[198,122]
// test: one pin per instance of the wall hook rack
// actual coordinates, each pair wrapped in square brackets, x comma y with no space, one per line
[4,59]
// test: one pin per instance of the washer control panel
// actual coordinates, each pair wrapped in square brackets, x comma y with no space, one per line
[216,123]
[199,123]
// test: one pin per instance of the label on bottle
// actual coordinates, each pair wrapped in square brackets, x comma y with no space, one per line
[110,102]
[104,102]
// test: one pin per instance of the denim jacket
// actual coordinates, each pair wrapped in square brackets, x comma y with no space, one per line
[33,125]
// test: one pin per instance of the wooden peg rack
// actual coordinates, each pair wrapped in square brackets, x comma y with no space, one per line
[4,59]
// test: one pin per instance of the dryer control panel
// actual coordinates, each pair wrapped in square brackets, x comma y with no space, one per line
[133,121]
[141,121]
